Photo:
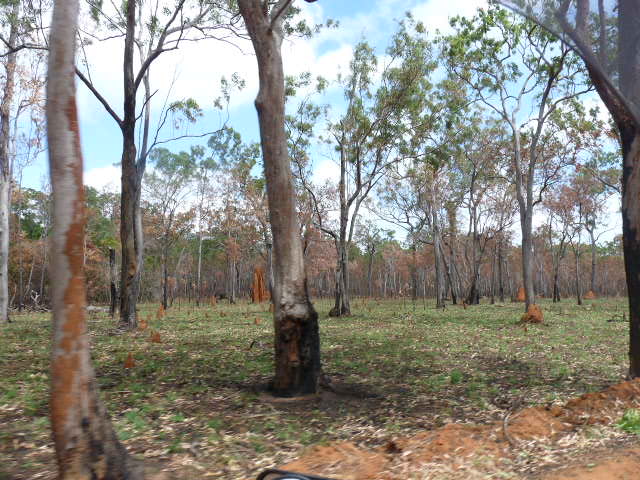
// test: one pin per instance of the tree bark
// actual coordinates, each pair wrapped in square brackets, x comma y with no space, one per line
[594,254]
[439,260]
[631,240]
[130,196]
[297,339]
[5,165]
[85,442]
[576,257]
[500,273]
[341,305]
[113,290]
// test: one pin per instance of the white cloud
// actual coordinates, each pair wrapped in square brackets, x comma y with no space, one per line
[102,178]
[325,170]
[435,14]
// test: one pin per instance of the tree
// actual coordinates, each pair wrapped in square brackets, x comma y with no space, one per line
[167,187]
[608,43]
[151,33]
[370,237]
[521,63]
[85,441]
[557,232]
[17,16]
[297,339]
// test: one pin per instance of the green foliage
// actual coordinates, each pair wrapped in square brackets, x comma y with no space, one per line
[630,421]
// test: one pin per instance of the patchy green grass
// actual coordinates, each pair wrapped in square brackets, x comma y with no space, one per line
[196,401]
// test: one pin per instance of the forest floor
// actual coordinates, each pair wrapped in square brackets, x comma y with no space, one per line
[196,402]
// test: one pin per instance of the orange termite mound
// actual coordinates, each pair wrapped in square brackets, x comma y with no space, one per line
[521,296]
[129,362]
[257,321]
[533,315]
[590,295]
[155,337]
[259,292]
[143,324]
[160,313]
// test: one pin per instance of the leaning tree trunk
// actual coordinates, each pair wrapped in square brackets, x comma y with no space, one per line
[297,339]
[85,442]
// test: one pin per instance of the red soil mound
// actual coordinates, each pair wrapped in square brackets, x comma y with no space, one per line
[344,460]
[590,295]
[453,442]
[623,465]
[520,297]
[533,315]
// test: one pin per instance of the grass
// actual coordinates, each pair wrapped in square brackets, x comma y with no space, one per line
[196,400]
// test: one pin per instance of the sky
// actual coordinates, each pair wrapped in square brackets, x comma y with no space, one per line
[195,70]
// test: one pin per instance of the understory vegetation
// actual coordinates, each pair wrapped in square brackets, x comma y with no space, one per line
[197,401]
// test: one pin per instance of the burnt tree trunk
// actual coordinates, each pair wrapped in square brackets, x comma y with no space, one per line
[341,306]
[297,339]
[631,240]
[113,289]
[85,441]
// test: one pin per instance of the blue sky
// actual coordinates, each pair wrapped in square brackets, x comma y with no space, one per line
[195,71]
[196,68]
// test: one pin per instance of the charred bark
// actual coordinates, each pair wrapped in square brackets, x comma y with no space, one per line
[297,339]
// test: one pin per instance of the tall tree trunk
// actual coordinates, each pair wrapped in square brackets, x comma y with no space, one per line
[631,240]
[492,287]
[113,290]
[527,256]
[130,196]
[85,441]
[43,271]
[5,201]
[439,260]
[165,282]
[556,288]
[594,254]
[341,306]
[369,273]
[576,256]
[199,278]
[297,339]
[500,273]
[5,164]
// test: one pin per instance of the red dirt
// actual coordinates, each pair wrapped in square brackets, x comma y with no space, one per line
[453,442]
[344,459]
[623,465]
[533,315]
